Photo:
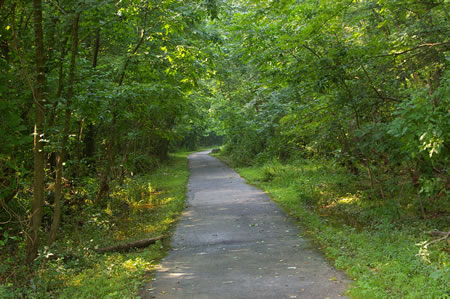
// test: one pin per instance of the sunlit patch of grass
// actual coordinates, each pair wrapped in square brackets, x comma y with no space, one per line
[114,276]
[136,264]
[142,207]
[350,199]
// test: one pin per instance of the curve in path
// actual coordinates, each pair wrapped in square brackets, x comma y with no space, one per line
[234,242]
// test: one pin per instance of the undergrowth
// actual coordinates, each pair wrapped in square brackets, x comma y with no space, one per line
[139,207]
[382,244]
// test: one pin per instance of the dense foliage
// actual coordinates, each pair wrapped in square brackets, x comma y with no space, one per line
[95,93]
[363,82]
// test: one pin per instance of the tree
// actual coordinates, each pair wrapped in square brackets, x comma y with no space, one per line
[60,159]
[39,135]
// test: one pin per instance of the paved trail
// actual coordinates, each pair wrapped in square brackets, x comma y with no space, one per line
[234,242]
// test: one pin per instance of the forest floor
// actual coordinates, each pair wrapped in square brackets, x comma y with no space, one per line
[144,206]
[235,242]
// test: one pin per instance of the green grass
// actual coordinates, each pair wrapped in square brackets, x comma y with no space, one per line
[141,207]
[154,204]
[380,244]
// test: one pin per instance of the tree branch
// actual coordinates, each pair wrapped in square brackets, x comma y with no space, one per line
[372,85]
[430,45]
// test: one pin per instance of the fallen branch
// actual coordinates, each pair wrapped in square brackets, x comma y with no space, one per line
[443,236]
[127,246]
[436,233]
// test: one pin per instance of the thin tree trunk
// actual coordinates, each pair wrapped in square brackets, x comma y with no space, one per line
[369,171]
[38,184]
[422,210]
[96,48]
[51,159]
[89,136]
[60,88]
[127,61]
[110,156]
[62,155]
[78,150]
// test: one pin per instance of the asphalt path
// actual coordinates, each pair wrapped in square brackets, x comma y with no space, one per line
[234,242]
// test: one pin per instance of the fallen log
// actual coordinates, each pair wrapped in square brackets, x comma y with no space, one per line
[127,246]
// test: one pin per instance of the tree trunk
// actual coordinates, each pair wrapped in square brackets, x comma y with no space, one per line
[96,48]
[78,149]
[60,88]
[127,61]
[38,94]
[369,172]
[62,155]
[89,136]
[52,159]
[110,157]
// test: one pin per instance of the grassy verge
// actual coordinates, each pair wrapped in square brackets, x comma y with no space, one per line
[380,244]
[140,207]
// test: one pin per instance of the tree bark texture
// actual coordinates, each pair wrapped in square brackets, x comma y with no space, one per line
[38,184]
[96,48]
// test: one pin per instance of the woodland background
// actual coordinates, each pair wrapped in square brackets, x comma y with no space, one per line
[95,94]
